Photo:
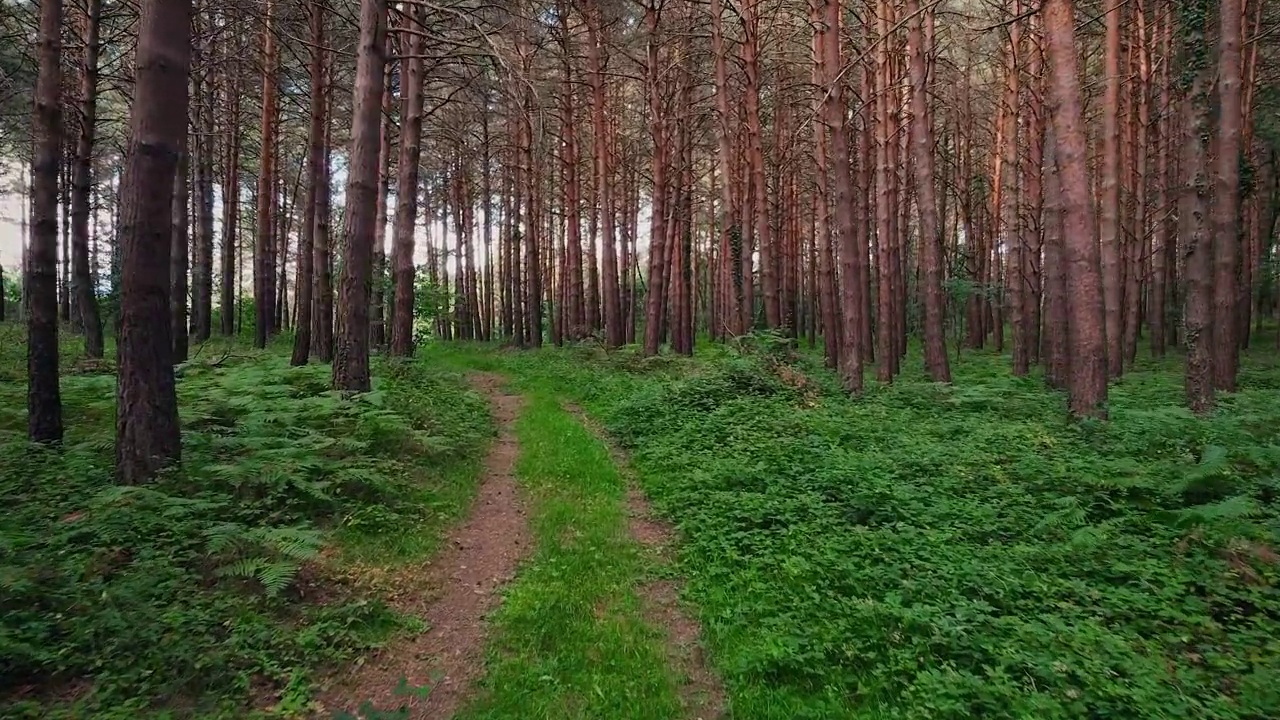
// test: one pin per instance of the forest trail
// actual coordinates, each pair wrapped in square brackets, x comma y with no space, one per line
[702,694]
[479,557]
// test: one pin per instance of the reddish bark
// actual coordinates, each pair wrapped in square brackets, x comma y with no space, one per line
[1199,328]
[40,292]
[351,356]
[82,288]
[178,254]
[1109,183]
[264,270]
[402,270]
[1057,355]
[1087,382]
[315,173]
[148,436]
[658,224]
[322,263]
[935,349]
[885,349]
[1226,196]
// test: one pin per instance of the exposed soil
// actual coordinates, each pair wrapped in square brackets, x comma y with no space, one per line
[701,693]
[461,588]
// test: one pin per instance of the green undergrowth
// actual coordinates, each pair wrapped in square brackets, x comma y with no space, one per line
[225,587]
[569,640]
[958,551]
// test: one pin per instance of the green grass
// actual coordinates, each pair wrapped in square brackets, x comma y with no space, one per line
[956,551]
[221,589]
[569,640]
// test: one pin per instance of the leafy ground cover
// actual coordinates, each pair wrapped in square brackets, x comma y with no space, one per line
[955,551]
[223,588]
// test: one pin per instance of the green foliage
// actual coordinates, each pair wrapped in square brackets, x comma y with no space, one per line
[961,551]
[571,639]
[430,303]
[212,587]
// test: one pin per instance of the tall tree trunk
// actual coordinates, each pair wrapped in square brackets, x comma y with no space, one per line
[755,151]
[1110,189]
[730,224]
[850,241]
[230,196]
[822,31]
[39,286]
[263,269]
[322,263]
[315,158]
[202,265]
[351,355]
[1086,337]
[1057,353]
[1005,213]
[378,282]
[1032,242]
[64,202]
[658,224]
[884,203]
[203,91]
[178,253]
[486,191]
[1226,205]
[1199,326]
[407,197]
[148,436]
[935,349]
[86,296]
[1137,243]
[1160,237]
[575,324]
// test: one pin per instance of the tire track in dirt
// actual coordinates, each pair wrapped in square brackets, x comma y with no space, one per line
[701,691]
[477,559]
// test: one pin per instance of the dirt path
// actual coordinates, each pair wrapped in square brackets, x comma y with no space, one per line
[477,558]
[701,692]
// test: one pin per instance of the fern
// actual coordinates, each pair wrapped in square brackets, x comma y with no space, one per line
[274,576]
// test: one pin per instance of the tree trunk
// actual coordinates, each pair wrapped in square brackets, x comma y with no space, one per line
[1226,205]
[1110,187]
[39,286]
[1160,238]
[1057,353]
[822,32]
[1086,337]
[64,202]
[935,349]
[407,197]
[1137,244]
[1032,242]
[755,150]
[86,296]
[378,274]
[178,253]
[263,269]
[148,436]
[202,264]
[315,158]
[322,263]
[849,240]
[230,197]
[658,224]
[730,224]
[884,204]
[1199,327]
[351,356]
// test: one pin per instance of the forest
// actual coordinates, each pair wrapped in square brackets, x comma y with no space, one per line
[652,359]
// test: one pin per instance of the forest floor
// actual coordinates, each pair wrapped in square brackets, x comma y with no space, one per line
[723,536]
